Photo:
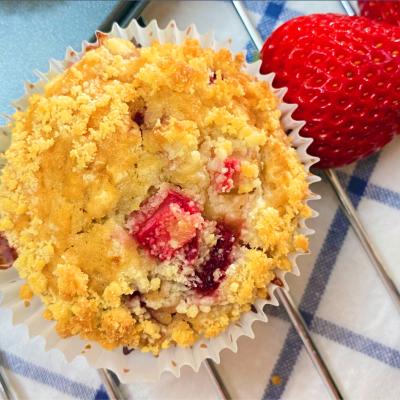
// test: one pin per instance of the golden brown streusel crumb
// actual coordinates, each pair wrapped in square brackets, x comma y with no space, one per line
[276,380]
[25,292]
[150,194]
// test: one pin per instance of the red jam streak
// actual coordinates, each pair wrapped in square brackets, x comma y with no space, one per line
[191,250]
[220,258]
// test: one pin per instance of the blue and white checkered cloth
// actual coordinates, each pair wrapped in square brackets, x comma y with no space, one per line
[352,319]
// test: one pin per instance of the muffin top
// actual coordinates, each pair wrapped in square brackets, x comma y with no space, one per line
[150,193]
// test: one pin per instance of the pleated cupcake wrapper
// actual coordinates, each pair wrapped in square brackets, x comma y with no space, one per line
[138,366]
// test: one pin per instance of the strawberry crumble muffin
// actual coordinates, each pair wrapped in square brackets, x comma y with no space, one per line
[150,193]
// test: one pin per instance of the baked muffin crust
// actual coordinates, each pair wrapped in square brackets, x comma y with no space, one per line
[150,194]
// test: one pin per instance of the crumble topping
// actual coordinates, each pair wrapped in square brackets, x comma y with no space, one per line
[149,194]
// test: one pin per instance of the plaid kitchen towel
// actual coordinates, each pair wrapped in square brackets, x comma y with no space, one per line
[352,319]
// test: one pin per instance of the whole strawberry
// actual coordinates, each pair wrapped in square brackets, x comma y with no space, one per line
[382,11]
[344,73]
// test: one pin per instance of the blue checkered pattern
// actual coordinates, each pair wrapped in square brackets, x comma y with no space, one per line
[46,377]
[267,15]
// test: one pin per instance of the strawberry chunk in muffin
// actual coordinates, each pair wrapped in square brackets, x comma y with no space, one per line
[168,225]
[165,224]
[226,178]
[210,274]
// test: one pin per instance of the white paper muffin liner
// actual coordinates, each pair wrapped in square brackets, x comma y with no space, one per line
[138,366]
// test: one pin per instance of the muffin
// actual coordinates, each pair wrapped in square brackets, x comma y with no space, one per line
[150,194]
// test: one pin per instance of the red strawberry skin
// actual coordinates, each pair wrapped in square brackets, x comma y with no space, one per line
[344,73]
[382,11]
